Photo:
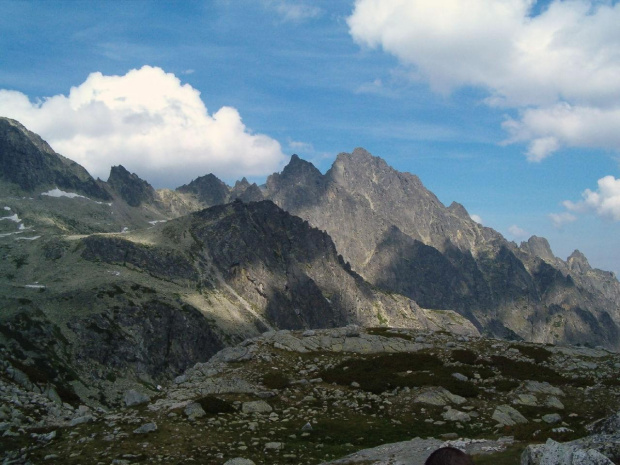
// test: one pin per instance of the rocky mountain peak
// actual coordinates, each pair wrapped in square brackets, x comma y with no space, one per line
[578,262]
[298,169]
[132,189]
[31,136]
[208,189]
[243,184]
[539,247]
[459,210]
[30,164]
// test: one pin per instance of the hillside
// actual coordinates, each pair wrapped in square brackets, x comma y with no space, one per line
[309,397]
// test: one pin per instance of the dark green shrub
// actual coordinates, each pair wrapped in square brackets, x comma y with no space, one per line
[214,405]
[525,370]
[464,356]
[275,380]
[538,354]
[506,385]
[383,372]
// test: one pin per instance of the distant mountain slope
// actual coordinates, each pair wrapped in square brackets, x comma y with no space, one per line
[145,305]
[396,239]
[400,237]
[29,163]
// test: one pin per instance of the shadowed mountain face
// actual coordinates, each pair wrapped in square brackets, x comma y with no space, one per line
[400,237]
[130,187]
[362,244]
[29,163]
[147,305]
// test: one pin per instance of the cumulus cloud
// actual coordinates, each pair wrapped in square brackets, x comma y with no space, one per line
[293,11]
[560,219]
[560,67]
[604,202]
[476,218]
[517,233]
[149,122]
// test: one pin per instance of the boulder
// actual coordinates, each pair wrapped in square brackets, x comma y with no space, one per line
[194,411]
[506,415]
[555,453]
[239,461]
[440,397]
[146,428]
[133,397]
[256,406]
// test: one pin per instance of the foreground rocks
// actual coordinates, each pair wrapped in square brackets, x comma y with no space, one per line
[309,397]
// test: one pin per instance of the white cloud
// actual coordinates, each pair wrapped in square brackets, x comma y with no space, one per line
[517,233]
[562,124]
[605,202]
[560,66]
[149,122]
[560,219]
[293,11]
[476,218]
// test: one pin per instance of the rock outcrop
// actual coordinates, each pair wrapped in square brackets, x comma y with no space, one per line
[398,236]
[130,187]
[30,165]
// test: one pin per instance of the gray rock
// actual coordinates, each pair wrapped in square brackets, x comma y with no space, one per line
[146,428]
[460,376]
[133,397]
[440,397]
[456,415]
[256,406]
[81,420]
[554,402]
[180,379]
[543,388]
[194,411]
[526,399]
[555,453]
[239,461]
[274,446]
[506,415]
[552,418]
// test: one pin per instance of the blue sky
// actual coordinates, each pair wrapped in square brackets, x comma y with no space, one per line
[508,107]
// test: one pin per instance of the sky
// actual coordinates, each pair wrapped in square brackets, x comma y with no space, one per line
[509,107]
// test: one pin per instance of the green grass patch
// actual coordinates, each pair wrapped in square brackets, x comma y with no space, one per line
[525,370]
[465,356]
[387,332]
[276,380]
[213,405]
[537,353]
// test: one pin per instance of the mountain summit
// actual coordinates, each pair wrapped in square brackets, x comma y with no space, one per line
[118,280]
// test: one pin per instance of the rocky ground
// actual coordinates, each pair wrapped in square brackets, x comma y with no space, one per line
[383,395]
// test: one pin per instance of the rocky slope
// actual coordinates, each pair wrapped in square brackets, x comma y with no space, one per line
[143,306]
[314,396]
[28,164]
[398,236]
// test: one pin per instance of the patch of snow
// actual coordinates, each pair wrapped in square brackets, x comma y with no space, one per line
[115,273]
[7,209]
[27,238]
[11,233]
[125,230]
[22,227]
[154,222]
[12,218]
[36,286]
[58,193]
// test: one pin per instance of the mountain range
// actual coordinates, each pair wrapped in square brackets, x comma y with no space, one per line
[109,283]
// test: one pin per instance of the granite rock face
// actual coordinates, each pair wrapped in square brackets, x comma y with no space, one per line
[398,236]
[130,187]
[28,163]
